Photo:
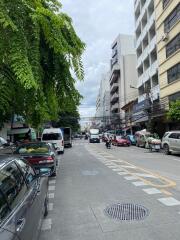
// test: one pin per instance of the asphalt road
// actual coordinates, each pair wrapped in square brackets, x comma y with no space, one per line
[140,188]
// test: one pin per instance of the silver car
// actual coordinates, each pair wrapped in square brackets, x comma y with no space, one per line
[171,142]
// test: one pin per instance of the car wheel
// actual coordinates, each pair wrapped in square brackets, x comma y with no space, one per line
[46,207]
[166,149]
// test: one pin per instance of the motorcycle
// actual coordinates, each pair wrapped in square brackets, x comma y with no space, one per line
[108,144]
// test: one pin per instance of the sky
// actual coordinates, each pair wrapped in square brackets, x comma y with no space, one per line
[97,23]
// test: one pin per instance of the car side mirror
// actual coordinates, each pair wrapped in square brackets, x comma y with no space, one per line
[44,172]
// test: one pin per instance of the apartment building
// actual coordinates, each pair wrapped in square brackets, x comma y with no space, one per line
[146,51]
[103,102]
[168,48]
[123,75]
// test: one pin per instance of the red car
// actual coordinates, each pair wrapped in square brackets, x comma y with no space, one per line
[120,141]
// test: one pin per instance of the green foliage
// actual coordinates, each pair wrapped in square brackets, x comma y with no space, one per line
[174,111]
[39,49]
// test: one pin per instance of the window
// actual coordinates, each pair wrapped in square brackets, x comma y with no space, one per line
[173,17]
[174,97]
[173,135]
[173,73]
[165,3]
[4,209]
[12,185]
[27,170]
[51,136]
[173,45]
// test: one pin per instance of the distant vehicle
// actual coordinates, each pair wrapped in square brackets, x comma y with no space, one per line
[171,142]
[55,136]
[18,135]
[94,136]
[142,138]
[67,136]
[120,141]
[39,155]
[23,199]
[132,139]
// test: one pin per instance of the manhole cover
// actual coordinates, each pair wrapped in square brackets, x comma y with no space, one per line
[126,211]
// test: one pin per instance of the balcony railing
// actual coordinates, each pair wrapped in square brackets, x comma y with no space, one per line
[114,87]
[114,97]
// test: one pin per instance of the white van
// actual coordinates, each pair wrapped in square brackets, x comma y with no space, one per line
[55,136]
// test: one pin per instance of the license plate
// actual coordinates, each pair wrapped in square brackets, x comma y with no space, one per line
[157,147]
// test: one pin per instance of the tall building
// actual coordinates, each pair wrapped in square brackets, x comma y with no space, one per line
[146,51]
[168,48]
[103,102]
[123,75]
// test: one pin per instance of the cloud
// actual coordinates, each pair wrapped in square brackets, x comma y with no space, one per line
[98,23]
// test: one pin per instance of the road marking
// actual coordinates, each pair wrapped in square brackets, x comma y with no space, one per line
[51,195]
[131,178]
[152,190]
[125,166]
[170,201]
[50,206]
[116,169]
[146,175]
[139,183]
[166,192]
[51,188]
[122,173]
[52,181]
[46,224]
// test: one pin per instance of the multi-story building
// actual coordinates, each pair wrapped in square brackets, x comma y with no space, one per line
[103,102]
[168,48]
[123,75]
[146,51]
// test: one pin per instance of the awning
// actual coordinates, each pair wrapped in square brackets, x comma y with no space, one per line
[18,131]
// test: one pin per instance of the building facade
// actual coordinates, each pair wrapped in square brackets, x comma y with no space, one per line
[103,102]
[123,75]
[168,48]
[147,63]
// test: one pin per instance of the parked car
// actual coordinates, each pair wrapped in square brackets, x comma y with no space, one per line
[23,199]
[39,155]
[171,142]
[120,141]
[55,136]
[132,139]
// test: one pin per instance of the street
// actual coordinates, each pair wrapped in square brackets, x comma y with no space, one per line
[91,178]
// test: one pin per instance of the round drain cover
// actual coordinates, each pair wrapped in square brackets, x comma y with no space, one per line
[126,211]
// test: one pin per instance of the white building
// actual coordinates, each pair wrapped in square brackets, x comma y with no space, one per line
[103,101]
[123,76]
[147,65]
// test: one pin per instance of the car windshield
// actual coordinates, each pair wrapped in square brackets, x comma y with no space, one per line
[33,148]
[51,136]
[119,137]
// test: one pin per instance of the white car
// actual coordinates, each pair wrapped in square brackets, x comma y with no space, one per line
[171,142]
[54,136]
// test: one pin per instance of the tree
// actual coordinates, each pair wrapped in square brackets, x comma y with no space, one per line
[39,49]
[174,111]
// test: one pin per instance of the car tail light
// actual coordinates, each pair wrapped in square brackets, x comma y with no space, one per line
[62,143]
[47,160]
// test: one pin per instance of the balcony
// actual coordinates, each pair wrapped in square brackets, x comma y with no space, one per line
[155,92]
[142,97]
[153,69]
[115,74]
[114,87]
[114,98]
[115,107]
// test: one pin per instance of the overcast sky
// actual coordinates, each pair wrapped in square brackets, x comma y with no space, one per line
[98,23]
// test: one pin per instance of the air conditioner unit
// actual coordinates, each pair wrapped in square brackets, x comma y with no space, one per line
[165,37]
